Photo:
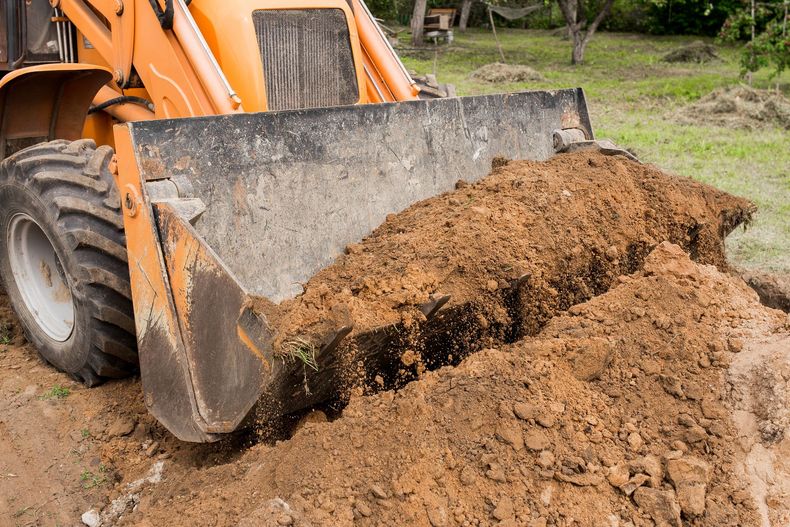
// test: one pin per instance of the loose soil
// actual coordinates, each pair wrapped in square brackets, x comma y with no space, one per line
[498,73]
[697,51]
[739,107]
[631,381]
[510,251]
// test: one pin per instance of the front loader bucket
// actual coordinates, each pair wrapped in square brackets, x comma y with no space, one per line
[223,211]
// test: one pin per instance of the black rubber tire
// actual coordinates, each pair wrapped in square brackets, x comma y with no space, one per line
[67,188]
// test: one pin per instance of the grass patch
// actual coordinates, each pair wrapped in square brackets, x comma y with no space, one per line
[56,392]
[5,335]
[633,96]
[90,480]
[301,350]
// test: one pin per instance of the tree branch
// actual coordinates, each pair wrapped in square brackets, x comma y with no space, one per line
[598,19]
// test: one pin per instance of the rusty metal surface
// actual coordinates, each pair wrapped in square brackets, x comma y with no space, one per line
[287,191]
[167,384]
[226,361]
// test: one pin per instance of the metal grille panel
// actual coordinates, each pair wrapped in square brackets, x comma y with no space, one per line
[307,60]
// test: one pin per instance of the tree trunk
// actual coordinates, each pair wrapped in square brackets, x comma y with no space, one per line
[417,22]
[466,7]
[573,11]
[577,55]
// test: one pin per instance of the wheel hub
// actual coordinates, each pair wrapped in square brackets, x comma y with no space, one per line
[39,277]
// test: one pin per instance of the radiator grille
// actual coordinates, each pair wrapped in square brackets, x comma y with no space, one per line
[307,60]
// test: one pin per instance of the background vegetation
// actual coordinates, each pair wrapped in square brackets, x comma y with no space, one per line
[634,98]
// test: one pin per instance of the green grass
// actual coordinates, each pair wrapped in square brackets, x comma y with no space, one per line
[89,479]
[5,335]
[56,392]
[303,351]
[632,96]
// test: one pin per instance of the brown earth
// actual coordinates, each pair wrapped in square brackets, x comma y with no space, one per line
[528,241]
[655,397]
[663,401]
[739,107]
[497,73]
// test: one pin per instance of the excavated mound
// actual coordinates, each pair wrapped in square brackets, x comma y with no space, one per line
[497,73]
[530,240]
[739,107]
[617,413]
[697,51]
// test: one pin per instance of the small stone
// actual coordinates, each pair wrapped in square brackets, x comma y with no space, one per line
[504,509]
[511,435]
[536,440]
[580,480]
[546,459]
[618,475]
[285,520]
[363,508]
[378,492]
[635,441]
[717,428]
[691,499]
[695,434]
[123,426]
[694,391]
[592,360]
[611,253]
[525,411]
[91,518]
[688,470]
[735,344]
[467,475]
[661,505]
[546,420]
[492,285]
[505,410]
[672,454]
[496,473]
[651,466]
[437,516]
[153,449]
[634,483]
[671,385]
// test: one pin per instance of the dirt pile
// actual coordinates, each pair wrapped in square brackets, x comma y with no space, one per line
[498,73]
[697,51]
[739,107]
[510,251]
[617,413]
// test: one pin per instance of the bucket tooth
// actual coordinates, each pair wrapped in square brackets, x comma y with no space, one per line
[335,341]
[430,308]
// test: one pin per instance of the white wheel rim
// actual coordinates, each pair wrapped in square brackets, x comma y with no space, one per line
[39,277]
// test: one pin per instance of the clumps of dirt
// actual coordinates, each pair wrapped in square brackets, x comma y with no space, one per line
[739,107]
[698,51]
[530,240]
[498,73]
[615,414]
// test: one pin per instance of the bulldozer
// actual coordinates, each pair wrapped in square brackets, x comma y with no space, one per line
[171,166]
